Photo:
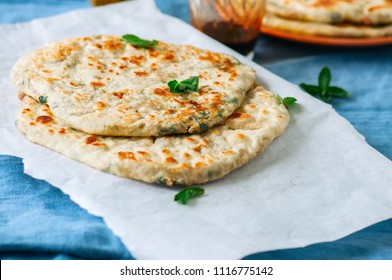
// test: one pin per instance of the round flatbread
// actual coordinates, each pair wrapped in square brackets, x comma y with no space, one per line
[179,159]
[327,30]
[365,12]
[103,85]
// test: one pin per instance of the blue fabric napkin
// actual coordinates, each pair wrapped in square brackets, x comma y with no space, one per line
[37,221]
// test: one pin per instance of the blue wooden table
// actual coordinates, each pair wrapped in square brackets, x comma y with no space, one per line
[39,221]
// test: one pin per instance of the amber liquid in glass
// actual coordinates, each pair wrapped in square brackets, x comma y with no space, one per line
[240,38]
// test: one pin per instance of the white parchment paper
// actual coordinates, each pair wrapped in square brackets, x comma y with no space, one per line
[318,182]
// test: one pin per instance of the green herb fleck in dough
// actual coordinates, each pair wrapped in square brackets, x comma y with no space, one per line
[233,101]
[42,99]
[203,127]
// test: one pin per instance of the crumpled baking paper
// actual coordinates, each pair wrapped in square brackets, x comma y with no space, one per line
[318,182]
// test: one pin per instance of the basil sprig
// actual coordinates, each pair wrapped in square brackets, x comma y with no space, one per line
[187,194]
[324,89]
[185,85]
[287,101]
[139,42]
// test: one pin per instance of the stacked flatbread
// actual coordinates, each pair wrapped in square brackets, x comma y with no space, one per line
[106,103]
[331,18]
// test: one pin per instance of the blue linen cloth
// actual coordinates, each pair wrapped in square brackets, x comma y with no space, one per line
[37,221]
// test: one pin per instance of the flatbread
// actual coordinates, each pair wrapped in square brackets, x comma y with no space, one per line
[364,12]
[323,29]
[103,85]
[180,159]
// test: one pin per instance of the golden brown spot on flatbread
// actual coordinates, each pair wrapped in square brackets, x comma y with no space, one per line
[153,66]
[136,59]
[185,102]
[114,63]
[26,110]
[47,110]
[328,3]
[72,83]
[199,164]
[240,136]
[141,73]
[169,111]
[166,152]
[97,84]
[50,130]
[239,115]
[169,56]
[184,165]
[99,144]
[21,95]
[99,46]
[51,80]
[170,160]
[198,148]
[113,45]
[47,71]
[228,152]
[186,155]
[216,100]
[60,52]
[213,58]
[153,53]
[99,105]
[122,67]
[32,123]
[61,131]
[43,119]
[161,91]
[126,155]
[279,117]
[143,153]
[190,139]
[118,94]
[252,106]
[90,139]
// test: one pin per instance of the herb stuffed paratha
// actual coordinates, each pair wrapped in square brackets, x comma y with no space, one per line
[175,159]
[325,29]
[364,12]
[104,85]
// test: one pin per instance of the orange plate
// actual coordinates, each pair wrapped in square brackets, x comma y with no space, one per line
[328,41]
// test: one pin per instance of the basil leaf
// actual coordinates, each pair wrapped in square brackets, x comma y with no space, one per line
[42,99]
[185,85]
[311,89]
[173,85]
[187,194]
[338,92]
[325,96]
[287,101]
[139,42]
[324,79]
